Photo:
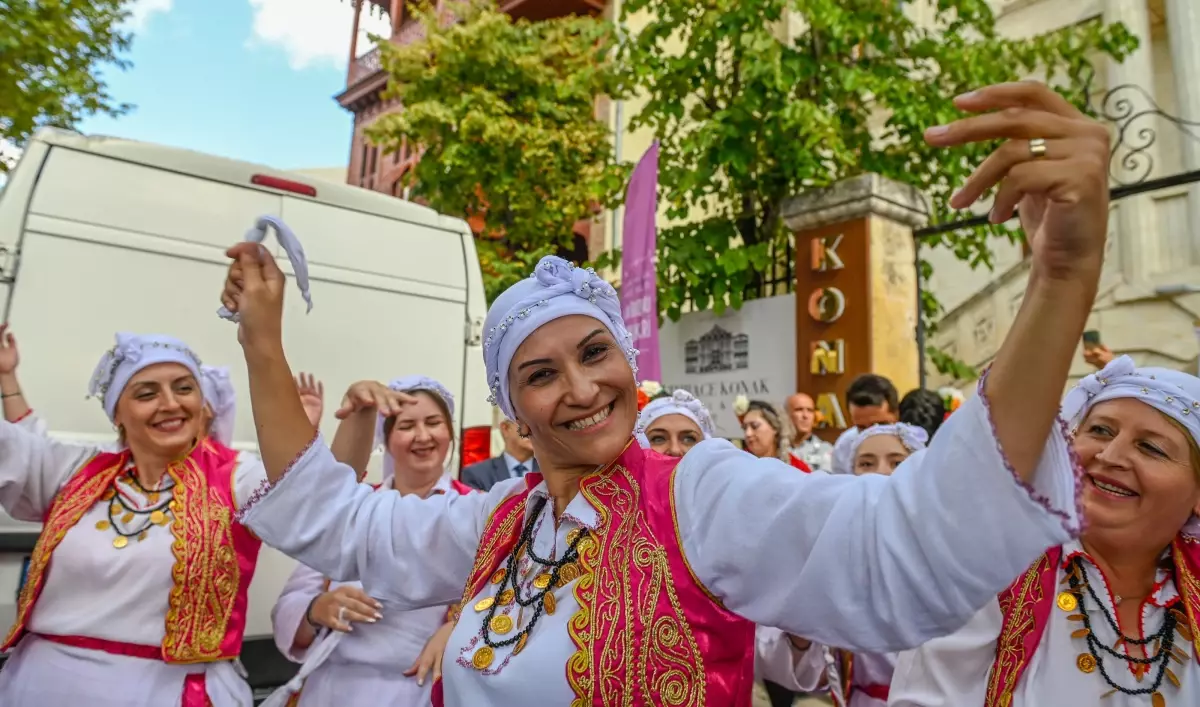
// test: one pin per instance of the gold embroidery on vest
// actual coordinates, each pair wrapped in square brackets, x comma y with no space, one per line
[494,537]
[627,575]
[65,511]
[206,573]
[1189,588]
[1018,622]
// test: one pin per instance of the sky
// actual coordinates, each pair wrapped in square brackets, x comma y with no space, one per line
[250,79]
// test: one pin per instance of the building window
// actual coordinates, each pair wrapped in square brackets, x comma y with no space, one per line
[362,163]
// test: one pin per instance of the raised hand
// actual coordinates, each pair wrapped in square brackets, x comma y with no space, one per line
[312,397]
[10,356]
[1052,167]
[372,395]
[254,291]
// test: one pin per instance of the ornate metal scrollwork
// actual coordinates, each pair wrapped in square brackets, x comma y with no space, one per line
[1133,112]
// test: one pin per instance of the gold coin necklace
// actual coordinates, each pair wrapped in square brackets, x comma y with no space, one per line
[1174,621]
[124,510]
[509,589]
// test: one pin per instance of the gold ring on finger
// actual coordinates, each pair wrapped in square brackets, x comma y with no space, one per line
[1037,148]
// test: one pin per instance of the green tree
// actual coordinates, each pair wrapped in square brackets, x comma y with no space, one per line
[506,113]
[747,119]
[51,53]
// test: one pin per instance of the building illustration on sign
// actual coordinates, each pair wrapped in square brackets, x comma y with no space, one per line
[716,351]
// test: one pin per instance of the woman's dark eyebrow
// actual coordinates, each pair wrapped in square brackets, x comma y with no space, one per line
[543,361]
[589,337]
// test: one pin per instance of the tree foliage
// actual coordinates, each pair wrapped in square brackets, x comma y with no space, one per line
[51,54]
[748,118]
[506,113]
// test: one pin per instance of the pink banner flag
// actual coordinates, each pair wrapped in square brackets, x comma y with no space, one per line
[639,287]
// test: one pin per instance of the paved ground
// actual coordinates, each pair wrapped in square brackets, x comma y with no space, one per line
[760,700]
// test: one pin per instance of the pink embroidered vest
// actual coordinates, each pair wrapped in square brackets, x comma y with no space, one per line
[647,631]
[214,556]
[1026,607]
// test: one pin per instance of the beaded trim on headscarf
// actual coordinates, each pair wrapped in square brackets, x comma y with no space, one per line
[112,359]
[593,290]
[912,437]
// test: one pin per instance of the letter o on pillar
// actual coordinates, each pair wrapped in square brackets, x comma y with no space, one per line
[826,304]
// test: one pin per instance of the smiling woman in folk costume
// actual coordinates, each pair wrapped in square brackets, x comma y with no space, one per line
[137,587]
[1114,614]
[620,576]
[355,649]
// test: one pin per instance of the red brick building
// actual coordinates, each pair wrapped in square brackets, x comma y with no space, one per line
[365,81]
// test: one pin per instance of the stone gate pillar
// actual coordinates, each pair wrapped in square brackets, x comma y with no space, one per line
[856,289]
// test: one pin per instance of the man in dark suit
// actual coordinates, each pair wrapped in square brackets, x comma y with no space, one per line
[516,461]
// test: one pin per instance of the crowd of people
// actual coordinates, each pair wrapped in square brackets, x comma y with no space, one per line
[1017,553]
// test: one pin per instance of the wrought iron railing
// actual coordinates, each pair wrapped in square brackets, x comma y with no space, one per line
[364,66]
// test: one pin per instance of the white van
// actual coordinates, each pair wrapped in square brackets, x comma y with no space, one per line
[99,235]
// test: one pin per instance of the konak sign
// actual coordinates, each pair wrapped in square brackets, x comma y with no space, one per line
[832,316]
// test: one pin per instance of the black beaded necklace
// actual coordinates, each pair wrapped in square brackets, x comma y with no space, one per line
[541,599]
[1163,640]
[153,514]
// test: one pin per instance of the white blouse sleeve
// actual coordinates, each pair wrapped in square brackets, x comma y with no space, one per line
[949,671]
[873,563]
[777,660]
[410,551]
[248,476]
[302,587]
[32,469]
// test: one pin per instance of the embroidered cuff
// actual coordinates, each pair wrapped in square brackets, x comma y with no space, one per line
[267,485]
[1071,523]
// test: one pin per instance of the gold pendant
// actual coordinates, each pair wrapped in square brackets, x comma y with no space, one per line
[483,657]
[1174,679]
[1086,662]
[115,510]
[142,535]
[103,525]
[1076,617]
[1157,700]
[498,577]
[127,518]
[1067,601]
[568,573]
[502,624]
[484,604]
[550,603]
[1081,633]
[152,497]
[520,643]
[507,597]
[120,541]
[542,581]
[158,517]
[572,535]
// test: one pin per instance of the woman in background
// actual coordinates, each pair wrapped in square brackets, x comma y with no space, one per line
[356,649]
[136,592]
[766,433]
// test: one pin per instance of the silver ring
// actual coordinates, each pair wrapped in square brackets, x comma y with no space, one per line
[341,615]
[1037,148]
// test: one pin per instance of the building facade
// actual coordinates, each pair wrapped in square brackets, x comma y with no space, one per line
[1149,299]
